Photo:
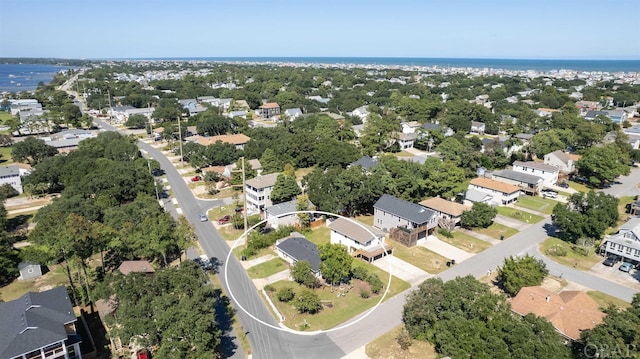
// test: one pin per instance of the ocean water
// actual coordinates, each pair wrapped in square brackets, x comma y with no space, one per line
[506,64]
[25,77]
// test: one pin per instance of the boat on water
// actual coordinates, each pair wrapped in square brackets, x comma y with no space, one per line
[12,76]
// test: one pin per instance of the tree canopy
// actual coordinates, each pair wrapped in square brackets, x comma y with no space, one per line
[32,151]
[585,215]
[481,215]
[517,273]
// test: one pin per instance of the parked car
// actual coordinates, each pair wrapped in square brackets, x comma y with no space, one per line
[549,193]
[203,217]
[562,184]
[224,219]
[196,178]
[626,267]
[266,230]
[610,261]
[239,209]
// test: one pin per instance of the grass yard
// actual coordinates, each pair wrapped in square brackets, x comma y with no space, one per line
[301,172]
[573,258]
[263,270]
[335,309]
[622,210]
[368,220]
[579,187]
[465,242]
[5,115]
[519,215]
[386,347]
[538,204]
[604,300]
[5,156]
[261,252]
[496,230]
[56,276]
[404,154]
[318,236]
[421,257]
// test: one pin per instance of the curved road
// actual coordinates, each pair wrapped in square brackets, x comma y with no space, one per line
[270,343]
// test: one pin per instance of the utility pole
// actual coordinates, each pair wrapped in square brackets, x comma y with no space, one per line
[244,195]
[180,137]
[110,108]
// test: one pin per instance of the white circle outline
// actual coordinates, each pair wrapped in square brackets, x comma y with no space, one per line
[284,328]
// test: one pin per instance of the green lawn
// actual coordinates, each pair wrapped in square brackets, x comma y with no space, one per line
[604,300]
[579,187]
[386,346]
[496,230]
[519,215]
[319,236]
[51,279]
[421,257]
[622,210]
[336,309]
[573,258]
[261,252]
[5,115]
[404,154]
[538,204]
[263,270]
[368,220]
[465,242]
[5,156]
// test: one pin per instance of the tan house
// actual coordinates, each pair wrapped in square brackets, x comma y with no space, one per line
[501,193]
[237,139]
[358,239]
[141,266]
[570,312]
[445,210]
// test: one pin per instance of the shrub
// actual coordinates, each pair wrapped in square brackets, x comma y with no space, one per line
[404,339]
[364,294]
[285,294]
[269,288]
[359,273]
[445,232]
[557,251]
[375,283]
[307,302]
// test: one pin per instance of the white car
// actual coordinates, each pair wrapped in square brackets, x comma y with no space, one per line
[550,193]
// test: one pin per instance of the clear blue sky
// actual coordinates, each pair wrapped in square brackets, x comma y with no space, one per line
[533,29]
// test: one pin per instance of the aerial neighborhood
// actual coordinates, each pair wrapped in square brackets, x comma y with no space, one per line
[132,189]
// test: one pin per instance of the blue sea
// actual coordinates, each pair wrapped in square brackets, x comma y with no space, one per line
[506,64]
[25,77]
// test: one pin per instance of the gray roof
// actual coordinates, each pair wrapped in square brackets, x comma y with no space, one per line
[355,231]
[594,114]
[9,171]
[561,155]
[412,212]
[365,162]
[24,265]
[33,321]
[263,181]
[524,136]
[536,165]
[73,142]
[474,195]
[518,176]
[293,112]
[282,208]
[301,249]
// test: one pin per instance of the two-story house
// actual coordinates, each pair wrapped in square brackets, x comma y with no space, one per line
[281,214]
[548,173]
[39,325]
[566,162]
[445,210]
[12,175]
[258,191]
[361,240]
[406,222]
[269,110]
[498,193]
[528,183]
[625,243]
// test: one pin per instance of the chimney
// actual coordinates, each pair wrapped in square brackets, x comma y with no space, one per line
[548,298]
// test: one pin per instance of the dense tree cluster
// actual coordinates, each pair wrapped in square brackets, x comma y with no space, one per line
[586,215]
[464,319]
[481,215]
[517,273]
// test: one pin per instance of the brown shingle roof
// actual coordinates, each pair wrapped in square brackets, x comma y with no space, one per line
[236,139]
[495,185]
[136,266]
[270,105]
[263,181]
[442,205]
[569,312]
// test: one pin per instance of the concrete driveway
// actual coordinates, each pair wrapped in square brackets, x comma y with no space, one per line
[401,269]
[444,249]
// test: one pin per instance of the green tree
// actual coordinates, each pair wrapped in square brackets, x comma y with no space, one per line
[167,110]
[481,215]
[285,189]
[517,273]
[603,164]
[270,162]
[307,302]
[137,121]
[32,151]
[302,273]
[585,215]
[211,123]
[285,294]
[335,262]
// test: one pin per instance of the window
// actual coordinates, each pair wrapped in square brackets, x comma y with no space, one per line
[628,251]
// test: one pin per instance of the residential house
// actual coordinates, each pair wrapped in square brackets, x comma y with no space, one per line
[367,163]
[281,214]
[584,106]
[447,211]
[570,312]
[29,270]
[446,131]
[192,106]
[545,112]
[625,243]
[145,111]
[241,114]
[565,162]
[634,208]
[361,112]
[292,113]
[500,193]
[269,110]
[320,99]
[221,103]
[258,191]
[361,240]
[405,140]
[139,266]
[119,113]
[410,127]
[548,173]
[617,116]
[528,183]
[296,248]
[39,325]
[68,140]
[406,222]
[477,127]
[12,174]
[237,139]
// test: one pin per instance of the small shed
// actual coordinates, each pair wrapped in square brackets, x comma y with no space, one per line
[29,270]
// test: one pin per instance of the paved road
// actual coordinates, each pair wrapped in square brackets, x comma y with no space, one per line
[627,186]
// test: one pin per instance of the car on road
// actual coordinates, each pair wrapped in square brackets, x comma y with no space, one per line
[626,267]
[549,193]
[196,178]
[203,217]
[610,261]
[224,219]
[562,184]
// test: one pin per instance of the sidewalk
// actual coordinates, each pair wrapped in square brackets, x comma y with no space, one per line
[261,282]
[512,223]
[253,262]
[444,249]
[480,236]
